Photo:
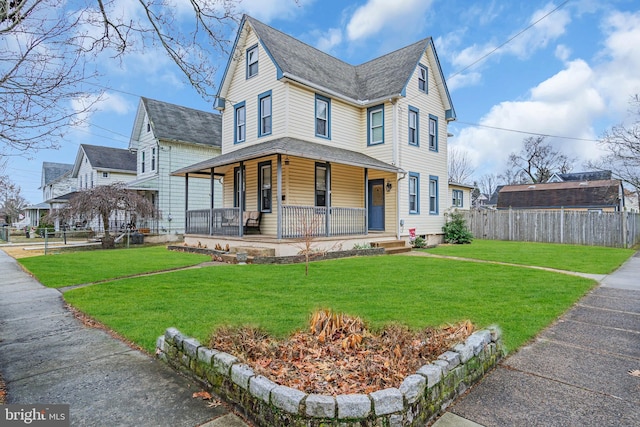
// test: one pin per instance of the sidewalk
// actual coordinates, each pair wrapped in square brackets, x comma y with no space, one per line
[49,357]
[576,373]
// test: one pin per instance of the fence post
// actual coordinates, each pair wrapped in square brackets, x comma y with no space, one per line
[625,240]
[562,224]
[510,224]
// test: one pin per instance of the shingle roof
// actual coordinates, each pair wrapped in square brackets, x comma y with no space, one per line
[380,77]
[52,171]
[110,158]
[571,194]
[585,176]
[177,123]
[295,148]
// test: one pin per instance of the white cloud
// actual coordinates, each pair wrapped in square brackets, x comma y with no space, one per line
[378,15]
[562,52]
[566,104]
[546,29]
[331,38]
[267,10]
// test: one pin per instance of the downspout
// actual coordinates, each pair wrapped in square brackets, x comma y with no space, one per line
[395,160]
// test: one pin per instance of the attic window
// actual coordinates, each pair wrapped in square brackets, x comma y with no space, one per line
[252,61]
[148,127]
[423,79]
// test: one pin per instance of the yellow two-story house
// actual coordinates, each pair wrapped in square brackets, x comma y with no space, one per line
[313,146]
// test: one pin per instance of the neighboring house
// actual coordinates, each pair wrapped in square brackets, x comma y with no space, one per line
[318,147]
[631,201]
[95,166]
[491,201]
[601,195]
[55,180]
[166,137]
[460,195]
[580,176]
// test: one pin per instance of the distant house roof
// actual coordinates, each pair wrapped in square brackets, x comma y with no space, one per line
[580,176]
[375,80]
[52,171]
[106,158]
[572,194]
[492,200]
[172,122]
[291,147]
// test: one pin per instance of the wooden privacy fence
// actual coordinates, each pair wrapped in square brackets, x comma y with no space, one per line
[612,229]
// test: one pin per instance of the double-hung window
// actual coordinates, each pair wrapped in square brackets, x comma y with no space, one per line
[252,61]
[375,120]
[457,198]
[321,184]
[414,193]
[239,187]
[423,78]
[433,133]
[142,163]
[433,195]
[414,137]
[240,128]
[264,186]
[323,116]
[264,112]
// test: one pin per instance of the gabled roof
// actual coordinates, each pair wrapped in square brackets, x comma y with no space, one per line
[171,122]
[52,171]
[571,194]
[291,147]
[493,198]
[582,176]
[380,78]
[106,159]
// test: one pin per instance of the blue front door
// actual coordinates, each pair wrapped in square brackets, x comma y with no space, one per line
[376,205]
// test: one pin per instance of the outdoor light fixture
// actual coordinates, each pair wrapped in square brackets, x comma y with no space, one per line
[388,186]
[286,161]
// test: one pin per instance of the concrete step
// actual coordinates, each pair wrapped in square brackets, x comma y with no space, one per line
[391,251]
[389,244]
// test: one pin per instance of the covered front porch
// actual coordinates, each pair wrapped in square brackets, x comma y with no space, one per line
[287,190]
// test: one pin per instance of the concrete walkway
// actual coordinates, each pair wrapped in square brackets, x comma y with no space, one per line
[49,357]
[576,373]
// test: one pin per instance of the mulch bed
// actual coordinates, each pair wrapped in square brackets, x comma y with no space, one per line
[338,355]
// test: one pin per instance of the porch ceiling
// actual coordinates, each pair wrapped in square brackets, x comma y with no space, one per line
[290,147]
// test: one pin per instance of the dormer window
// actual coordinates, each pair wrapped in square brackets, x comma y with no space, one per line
[252,61]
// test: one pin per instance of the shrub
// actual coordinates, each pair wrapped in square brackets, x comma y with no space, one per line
[456,230]
[357,246]
[418,242]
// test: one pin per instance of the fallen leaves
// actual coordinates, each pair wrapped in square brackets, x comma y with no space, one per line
[338,355]
[204,395]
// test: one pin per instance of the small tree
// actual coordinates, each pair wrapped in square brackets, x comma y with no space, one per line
[537,161]
[456,230]
[103,202]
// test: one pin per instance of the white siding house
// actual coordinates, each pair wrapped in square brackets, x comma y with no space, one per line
[167,137]
[358,151]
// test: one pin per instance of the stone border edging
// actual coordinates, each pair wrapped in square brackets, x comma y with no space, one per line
[419,399]
[289,259]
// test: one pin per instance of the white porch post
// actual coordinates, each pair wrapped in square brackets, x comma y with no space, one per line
[241,197]
[279,196]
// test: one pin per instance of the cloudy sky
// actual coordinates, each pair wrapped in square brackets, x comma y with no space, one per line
[565,69]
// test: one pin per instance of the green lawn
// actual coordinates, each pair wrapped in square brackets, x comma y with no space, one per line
[584,259]
[74,268]
[415,291]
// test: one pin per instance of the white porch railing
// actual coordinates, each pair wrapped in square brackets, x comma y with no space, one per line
[303,221]
[297,221]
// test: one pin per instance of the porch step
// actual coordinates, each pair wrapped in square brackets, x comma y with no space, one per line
[392,246]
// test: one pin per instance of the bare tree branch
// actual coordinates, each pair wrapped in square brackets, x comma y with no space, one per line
[537,161]
[49,53]
[460,167]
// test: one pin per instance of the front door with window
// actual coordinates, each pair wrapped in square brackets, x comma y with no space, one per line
[376,205]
